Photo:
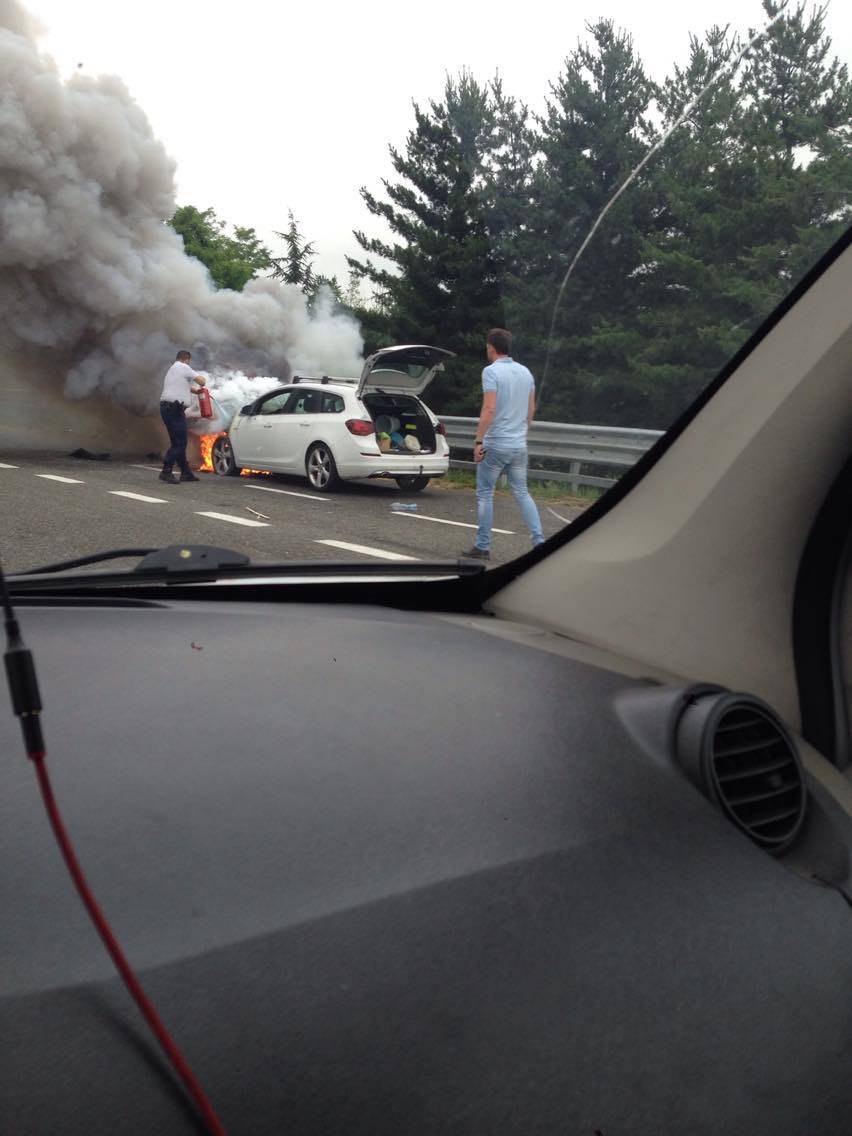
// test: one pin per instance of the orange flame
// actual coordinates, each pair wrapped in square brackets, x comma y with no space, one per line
[207,441]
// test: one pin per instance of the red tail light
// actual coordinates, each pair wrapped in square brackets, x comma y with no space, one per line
[360,427]
[441,429]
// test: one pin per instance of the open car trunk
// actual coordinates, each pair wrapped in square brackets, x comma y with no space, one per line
[387,410]
[407,369]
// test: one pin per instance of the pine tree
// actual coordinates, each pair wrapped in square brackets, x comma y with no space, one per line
[491,209]
[754,188]
[595,130]
[508,180]
[297,264]
[437,280]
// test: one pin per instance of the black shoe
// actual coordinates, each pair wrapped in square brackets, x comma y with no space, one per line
[188,475]
[168,476]
[475,554]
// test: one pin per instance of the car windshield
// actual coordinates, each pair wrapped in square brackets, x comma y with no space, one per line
[589,211]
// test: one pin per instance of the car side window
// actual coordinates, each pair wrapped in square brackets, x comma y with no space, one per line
[305,402]
[332,404]
[276,403]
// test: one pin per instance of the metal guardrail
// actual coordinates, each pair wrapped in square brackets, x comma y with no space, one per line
[574,447]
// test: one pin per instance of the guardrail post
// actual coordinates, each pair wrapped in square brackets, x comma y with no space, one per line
[574,475]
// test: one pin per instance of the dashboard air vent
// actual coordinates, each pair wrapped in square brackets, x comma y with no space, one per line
[741,755]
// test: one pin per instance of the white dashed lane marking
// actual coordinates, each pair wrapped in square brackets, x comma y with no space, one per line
[289,493]
[234,520]
[4,466]
[364,550]
[441,521]
[152,468]
[65,480]
[138,496]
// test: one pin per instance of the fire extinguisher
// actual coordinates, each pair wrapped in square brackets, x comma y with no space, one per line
[204,403]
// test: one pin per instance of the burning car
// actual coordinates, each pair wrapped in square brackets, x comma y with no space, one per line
[334,429]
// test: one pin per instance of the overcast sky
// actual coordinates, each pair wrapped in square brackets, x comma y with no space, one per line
[269,106]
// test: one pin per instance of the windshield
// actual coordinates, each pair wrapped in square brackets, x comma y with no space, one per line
[590,212]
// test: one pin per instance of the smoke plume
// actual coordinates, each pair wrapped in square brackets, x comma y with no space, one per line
[87,265]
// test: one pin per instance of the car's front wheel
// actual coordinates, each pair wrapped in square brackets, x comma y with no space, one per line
[412,484]
[223,459]
[321,468]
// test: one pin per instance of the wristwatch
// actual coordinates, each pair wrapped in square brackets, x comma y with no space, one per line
[477,441]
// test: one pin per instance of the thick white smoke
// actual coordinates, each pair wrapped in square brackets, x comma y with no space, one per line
[87,265]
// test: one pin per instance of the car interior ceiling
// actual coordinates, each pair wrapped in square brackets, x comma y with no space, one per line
[694,569]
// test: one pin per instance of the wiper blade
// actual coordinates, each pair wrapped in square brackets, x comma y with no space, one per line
[177,559]
[82,561]
[188,564]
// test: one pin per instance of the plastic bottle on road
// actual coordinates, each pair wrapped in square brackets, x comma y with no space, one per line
[399,507]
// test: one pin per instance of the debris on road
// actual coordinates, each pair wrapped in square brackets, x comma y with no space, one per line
[87,455]
[399,507]
[262,516]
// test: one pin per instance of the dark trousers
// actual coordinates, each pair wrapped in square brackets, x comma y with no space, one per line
[174,419]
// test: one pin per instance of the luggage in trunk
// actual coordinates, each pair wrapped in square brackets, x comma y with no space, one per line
[400,416]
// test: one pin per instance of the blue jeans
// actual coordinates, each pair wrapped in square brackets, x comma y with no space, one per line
[512,462]
[174,419]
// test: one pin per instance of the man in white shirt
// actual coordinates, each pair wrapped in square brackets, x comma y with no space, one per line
[175,400]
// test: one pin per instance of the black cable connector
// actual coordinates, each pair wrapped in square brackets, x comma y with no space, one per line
[21,675]
[23,685]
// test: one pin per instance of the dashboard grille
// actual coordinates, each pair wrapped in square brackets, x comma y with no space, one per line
[757,777]
[738,752]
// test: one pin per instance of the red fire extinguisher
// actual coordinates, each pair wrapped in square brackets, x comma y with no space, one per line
[204,403]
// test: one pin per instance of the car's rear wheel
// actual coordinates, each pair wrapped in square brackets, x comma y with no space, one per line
[223,459]
[412,484]
[321,468]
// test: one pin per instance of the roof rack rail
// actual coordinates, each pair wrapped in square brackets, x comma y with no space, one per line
[324,381]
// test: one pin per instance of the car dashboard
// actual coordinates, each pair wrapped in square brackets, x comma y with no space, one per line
[383,872]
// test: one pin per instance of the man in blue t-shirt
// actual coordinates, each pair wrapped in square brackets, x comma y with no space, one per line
[508,406]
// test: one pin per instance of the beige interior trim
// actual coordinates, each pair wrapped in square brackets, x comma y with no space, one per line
[693,571]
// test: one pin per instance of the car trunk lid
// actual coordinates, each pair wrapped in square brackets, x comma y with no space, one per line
[402,370]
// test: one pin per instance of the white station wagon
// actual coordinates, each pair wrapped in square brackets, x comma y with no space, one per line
[330,429]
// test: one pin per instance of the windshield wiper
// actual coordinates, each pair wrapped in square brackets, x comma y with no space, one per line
[194,563]
[81,561]
[181,559]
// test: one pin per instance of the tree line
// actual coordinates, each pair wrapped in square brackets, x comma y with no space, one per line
[489,204]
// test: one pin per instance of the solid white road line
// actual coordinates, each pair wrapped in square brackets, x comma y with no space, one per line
[138,496]
[559,517]
[56,477]
[234,520]
[364,550]
[289,493]
[4,466]
[441,521]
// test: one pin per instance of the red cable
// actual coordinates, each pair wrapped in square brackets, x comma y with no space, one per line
[193,1086]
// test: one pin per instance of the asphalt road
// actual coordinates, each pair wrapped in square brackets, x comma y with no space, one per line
[55,508]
